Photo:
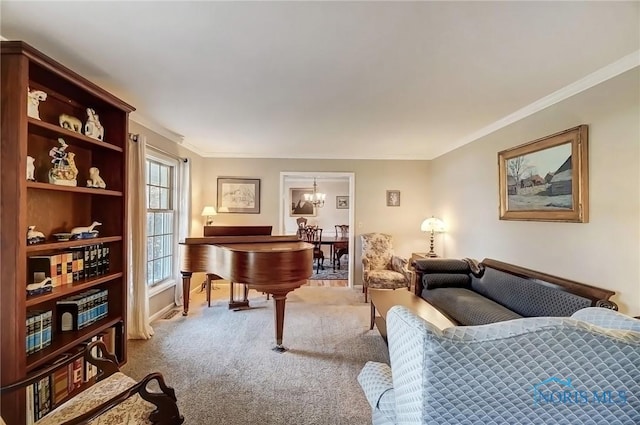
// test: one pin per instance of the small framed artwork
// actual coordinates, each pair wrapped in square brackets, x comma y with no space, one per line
[239,195]
[393,198]
[342,202]
[298,207]
[546,179]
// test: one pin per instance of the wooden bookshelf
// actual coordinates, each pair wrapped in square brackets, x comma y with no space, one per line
[54,208]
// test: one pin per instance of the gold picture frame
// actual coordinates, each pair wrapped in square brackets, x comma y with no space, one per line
[546,179]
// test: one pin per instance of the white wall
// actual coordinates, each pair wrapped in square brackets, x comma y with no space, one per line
[463,187]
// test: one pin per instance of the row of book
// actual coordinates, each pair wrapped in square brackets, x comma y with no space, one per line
[50,391]
[38,330]
[83,309]
[66,267]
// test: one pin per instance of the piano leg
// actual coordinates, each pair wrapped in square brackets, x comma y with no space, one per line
[278,311]
[186,288]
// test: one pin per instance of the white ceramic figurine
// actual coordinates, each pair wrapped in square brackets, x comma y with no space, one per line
[33,101]
[93,128]
[31,169]
[94,179]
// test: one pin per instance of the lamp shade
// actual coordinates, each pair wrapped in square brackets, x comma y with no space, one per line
[432,225]
[208,210]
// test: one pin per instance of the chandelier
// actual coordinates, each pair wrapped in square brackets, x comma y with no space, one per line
[316,198]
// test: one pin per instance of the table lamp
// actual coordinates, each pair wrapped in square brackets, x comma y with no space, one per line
[209,212]
[432,225]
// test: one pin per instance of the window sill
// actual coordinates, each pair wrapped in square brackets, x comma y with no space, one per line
[161,287]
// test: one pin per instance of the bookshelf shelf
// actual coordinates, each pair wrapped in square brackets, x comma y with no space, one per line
[55,209]
[76,189]
[67,340]
[67,290]
[47,246]
[72,138]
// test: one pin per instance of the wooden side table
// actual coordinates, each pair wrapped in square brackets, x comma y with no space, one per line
[416,256]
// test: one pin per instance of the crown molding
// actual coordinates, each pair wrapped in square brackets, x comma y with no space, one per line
[158,128]
[612,70]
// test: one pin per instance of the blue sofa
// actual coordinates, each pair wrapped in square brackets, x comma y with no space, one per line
[472,293]
[546,370]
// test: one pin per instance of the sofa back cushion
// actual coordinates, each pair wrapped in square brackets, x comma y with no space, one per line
[527,297]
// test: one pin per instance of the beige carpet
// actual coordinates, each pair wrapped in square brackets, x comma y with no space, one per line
[222,367]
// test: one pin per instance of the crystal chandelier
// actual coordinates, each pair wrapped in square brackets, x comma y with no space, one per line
[316,198]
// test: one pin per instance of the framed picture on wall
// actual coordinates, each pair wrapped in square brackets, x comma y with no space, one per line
[393,198]
[298,207]
[342,202]
[239,194]
[546,179]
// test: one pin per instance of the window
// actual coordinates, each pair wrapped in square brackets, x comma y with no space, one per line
[161,219]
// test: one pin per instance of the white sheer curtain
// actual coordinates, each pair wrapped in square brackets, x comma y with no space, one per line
[184,217]
[138,326]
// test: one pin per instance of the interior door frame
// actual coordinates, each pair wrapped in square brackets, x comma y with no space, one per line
[284,207]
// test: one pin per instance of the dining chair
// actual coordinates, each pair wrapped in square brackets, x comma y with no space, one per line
[342,247]
[313,235]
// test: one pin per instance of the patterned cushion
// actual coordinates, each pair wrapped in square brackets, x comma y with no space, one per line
[386,279]
[442,265]
[606,318]
[132,411]
[377,248]
[495,374]
[528,298]
[446,280]
[467,307]
[375,380]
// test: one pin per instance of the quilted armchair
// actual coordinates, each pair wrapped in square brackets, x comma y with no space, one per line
[381,269]
[579,370]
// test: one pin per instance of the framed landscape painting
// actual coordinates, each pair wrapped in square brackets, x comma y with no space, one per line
[239,195]
[546,179]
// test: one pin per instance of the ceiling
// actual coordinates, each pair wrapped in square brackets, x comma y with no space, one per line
[368,80]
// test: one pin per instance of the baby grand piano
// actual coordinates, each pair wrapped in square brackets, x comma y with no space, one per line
[276,265]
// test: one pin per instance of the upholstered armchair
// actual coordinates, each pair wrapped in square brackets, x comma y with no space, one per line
[579,370]
[381,269]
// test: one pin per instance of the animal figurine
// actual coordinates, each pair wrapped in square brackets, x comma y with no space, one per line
[94,179]
[70,123]
[93,128]
[33,101]
[85,229]
[40,285]
[31,168]
[34,236]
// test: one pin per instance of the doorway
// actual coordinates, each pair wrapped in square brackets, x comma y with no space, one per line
[339,182]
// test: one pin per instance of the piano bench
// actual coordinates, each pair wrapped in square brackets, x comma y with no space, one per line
[115,398]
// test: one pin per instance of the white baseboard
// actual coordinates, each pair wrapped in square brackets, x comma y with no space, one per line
[162,312]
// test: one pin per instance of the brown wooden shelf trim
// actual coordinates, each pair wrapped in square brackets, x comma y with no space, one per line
[77,189]
[71,137]
[65,341]
[66,290]
[69,244]
[55,67]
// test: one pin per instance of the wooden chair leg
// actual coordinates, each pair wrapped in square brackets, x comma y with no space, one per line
[366,292]
[373,316]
